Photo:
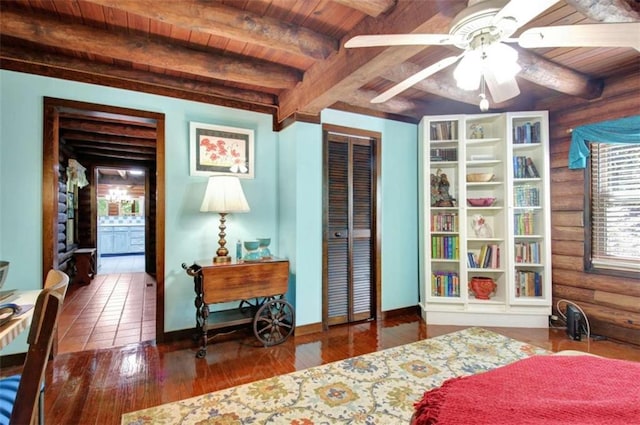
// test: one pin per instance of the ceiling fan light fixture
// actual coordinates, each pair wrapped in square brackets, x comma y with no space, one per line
[484,102]
[502,60]
[505,71]
[467,73]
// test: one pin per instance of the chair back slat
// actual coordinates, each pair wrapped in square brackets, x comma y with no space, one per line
[45,318]
[56,283]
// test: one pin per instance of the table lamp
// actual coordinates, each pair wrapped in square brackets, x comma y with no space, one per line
[223,195]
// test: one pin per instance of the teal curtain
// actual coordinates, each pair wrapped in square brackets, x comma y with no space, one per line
[623,130]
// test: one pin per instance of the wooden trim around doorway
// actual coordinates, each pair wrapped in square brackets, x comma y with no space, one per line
[50,148]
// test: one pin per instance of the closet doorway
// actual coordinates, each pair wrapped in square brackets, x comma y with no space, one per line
[351,227]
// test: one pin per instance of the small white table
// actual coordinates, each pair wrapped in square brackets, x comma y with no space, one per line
[10,330]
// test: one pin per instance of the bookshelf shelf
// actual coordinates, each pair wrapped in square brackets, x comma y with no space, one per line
[515,254]
[483,184]
[484,270]
[482,162]
[487,141]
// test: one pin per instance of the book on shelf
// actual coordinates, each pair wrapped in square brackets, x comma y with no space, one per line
[445,284]
[532,171]
[527,252]
[444,222]
[443,154]
[488,257]
[444,130]
[528,283]
[485,256]
[523,167]
[523,223]
[444,247]
[527,196]
[494,262]
[527,133]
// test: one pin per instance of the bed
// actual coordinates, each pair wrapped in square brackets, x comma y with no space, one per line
[569,387]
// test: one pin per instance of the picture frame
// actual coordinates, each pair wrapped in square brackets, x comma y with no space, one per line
[221,150]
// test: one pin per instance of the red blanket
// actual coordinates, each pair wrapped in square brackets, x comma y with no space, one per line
[539,390]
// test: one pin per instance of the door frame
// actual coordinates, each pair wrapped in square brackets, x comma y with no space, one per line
[376,236]
[50,167]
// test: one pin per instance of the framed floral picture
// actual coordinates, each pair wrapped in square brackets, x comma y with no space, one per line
[220,150]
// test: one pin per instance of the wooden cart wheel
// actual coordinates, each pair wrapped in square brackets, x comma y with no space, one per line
[273,322]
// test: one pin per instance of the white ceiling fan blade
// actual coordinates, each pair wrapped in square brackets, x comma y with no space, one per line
[521,11]
[400,40]
[624,34]
[415,78]
[501,91]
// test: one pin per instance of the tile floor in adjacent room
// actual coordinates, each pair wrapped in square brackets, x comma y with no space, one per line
[117,308]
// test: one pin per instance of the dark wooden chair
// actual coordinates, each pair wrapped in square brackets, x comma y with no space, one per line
[20,395]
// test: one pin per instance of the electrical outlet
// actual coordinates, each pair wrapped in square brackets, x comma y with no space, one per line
[574,323]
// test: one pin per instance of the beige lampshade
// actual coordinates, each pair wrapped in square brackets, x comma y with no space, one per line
[224,195]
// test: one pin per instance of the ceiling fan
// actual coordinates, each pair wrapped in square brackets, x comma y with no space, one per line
[482,31]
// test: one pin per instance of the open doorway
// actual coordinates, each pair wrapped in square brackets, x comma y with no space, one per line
[102,136]
[121,208]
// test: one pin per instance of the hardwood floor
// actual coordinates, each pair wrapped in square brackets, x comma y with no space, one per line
[97,386]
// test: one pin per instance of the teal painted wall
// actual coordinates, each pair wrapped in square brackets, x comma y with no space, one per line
[399,204]
[291,158]
[301,216]
[190,235]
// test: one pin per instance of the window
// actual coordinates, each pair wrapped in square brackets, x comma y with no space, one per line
[615,208]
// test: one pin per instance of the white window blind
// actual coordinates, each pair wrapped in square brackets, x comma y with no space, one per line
[615,206]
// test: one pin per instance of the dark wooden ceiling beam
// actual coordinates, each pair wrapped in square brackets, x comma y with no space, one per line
[83,147]
[24,59]
[96,117]
[116,179]
[137,49]
[557,77]
[140,86]
[101,156]
[328,81]
[398,105]
[106,138]
[607,10]
[406,107]
[67,123]
[223,21]
[370,7]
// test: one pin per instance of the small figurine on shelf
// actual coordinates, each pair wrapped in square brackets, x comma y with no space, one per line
[440,196]
[480,227]
[477,132]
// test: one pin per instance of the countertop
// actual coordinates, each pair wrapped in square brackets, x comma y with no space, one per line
[121,225]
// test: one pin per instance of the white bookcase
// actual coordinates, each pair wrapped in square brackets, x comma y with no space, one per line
[503,157]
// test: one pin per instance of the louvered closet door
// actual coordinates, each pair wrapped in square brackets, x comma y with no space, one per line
[348,227]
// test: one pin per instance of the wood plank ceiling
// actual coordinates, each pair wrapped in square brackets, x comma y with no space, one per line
[285,57]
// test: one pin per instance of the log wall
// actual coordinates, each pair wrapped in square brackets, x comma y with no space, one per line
[612,304]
